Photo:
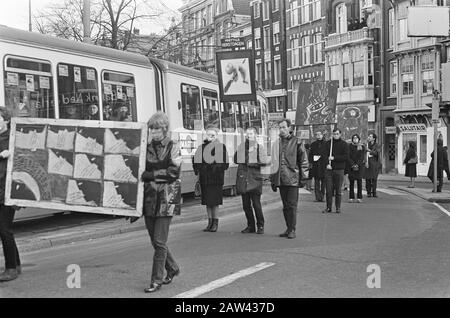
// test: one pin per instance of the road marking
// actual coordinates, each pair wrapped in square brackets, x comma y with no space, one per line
[223,281]
[441,208]
[303,191]
[391,192]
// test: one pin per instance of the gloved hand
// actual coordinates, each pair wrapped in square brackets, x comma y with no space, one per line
[148,176]
[274,188]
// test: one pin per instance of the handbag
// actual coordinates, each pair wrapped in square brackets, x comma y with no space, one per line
[355,168]
[413,160]
[173,197]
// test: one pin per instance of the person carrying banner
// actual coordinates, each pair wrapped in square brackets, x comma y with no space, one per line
[372,165]
[337,149]
[317,164]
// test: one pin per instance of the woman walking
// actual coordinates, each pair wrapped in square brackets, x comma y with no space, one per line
[357,153]
[411,164]
[250,157]
[162,197]
[372,165]
[210,162]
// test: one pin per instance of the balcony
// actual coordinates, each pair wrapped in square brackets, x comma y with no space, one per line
[351,37]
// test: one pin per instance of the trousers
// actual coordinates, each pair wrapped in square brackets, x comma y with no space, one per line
[334,180]
[352,188]
[10,251]
[247,200]
[289,197]
[319,188]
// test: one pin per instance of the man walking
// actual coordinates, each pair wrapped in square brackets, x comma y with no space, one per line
[337,149]
[317,164]
[289,167]
[372,165]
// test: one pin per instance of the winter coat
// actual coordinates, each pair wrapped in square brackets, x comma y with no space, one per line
[411,168]
[250,157]
[162,192]
[340,154]
[210,162]
[318,148]
[356,161]
[374,161]
[4,145]
[442,164]
[296,168]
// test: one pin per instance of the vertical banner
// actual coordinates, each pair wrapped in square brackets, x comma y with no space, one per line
[316,103]
[236,76]
[353,120]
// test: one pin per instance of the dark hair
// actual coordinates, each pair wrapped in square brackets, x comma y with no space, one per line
[5,113]
[286,120]
[252,128]
[440,142]
[356,135]
[336,130]
[374,136]
[412,145]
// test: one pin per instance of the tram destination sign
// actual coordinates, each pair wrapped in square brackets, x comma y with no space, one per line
[232,43]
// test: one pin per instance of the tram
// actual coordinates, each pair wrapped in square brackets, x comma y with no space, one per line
[48,77]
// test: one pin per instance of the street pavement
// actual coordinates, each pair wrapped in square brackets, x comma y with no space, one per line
[399,233]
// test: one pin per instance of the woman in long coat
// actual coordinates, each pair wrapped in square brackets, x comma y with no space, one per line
[372,165]
[357,154]
[411,164]
[162,197]
[210,162]
[250,157]
[442,165]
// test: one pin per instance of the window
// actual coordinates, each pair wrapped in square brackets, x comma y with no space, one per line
[190,106]
[334,69]
[306,49]
[277,70]
[119,97]
[257,38]
[243,115]
[255,116]
[358,73]
[29,88]
[78,92]
[228,117]
[391,28]
[276,33]
[279,104]
[423,149]
[210,14]
[427,73]
[346,68]
[294,13]
[294,53]
[407,69]
[403,29]
[268,78]
[316,9]
[267,38]
[259,73]
[394,77]
[256,10]
[210,108]
[305,6]
[294,94]
[266,4]
[318,45]
[341,18]
[275,5]
[370,73]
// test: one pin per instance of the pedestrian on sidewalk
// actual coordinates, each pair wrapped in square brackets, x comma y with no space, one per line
[337,150]
[12,259]
[372,165]
[442,165]
[162,197]
[357,154]
[250,157]
[410,163]
[210,162]
[288,171]
[308,181]
[317,164]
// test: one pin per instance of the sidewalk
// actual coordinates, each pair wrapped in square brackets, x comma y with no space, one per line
[426,194]
[402,178]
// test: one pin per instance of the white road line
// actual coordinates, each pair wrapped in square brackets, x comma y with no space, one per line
[391,192]
[223,281]
[303,191]
[441,208]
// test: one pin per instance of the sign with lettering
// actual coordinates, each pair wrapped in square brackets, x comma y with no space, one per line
[72,165]
[232,43]
[412,128]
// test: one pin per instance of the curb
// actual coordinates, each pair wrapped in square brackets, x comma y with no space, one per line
[127,228]
[423,196]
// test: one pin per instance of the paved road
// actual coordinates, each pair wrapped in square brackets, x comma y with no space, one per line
[403,235]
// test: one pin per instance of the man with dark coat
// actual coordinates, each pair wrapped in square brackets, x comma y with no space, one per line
[250,157]
[317,163]
[442,165]
[289,168]
[372,165]
[337,150]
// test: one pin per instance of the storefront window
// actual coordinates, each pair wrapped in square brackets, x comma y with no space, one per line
[190,102]
[255,116]
[29,88]
[78,92]
[119,97]
[423,149]
[228,117]
[210,108]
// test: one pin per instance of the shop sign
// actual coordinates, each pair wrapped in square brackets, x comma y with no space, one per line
[412,128]
[391,130]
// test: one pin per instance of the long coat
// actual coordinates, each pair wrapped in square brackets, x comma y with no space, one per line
[4,145]
[356,158]
[442,164]
[162,195]
[210,162]
[411,168]
[250,157]
[374,161]
[318,148]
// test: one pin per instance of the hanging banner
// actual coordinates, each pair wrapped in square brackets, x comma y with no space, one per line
[353,120]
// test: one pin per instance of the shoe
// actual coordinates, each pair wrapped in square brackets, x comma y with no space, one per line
[260,230]
[291,235]
[369,195]
[208,227]
[19,270]
[351,201]
[215,225]
[248,230]
[327,210]
[169,277]
[374,195]
[285,234]
[8,275]
[360,201]
[338,211]
[152,288]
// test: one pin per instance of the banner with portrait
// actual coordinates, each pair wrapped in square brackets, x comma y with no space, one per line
[353,120]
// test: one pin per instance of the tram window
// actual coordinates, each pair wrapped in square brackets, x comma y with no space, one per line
[210,108]
[78,92]
[29,88]
[228,117]
[255,116]
[243,121]
[119,97]
[190,102]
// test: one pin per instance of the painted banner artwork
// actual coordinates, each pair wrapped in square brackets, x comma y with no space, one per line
[353,120]
[316,103]
[85,166]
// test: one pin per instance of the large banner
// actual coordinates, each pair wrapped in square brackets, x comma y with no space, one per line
[353,120]
[72,165]
[236,76]
[316,103]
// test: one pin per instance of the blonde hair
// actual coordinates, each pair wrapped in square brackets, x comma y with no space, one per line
[159,120]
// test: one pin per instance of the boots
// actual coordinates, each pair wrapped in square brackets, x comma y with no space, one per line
[8,275]
[215,225]
[209,226]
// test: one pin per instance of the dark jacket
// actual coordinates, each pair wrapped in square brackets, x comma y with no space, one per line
[410,154]
[162,187]
[442,164]
[4,145]
[340,154]
[318,148]
[210,162]
[356,161]
[296,163]
[373,154]
[250,157]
